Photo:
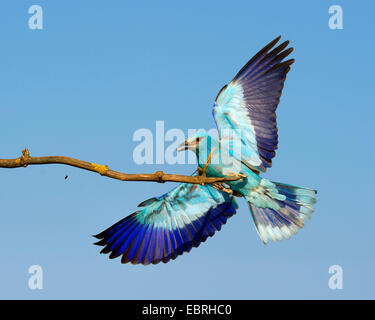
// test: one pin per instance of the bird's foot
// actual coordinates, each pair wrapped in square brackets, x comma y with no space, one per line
[220,187]
[230,173]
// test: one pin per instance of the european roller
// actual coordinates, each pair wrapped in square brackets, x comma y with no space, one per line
[244,110]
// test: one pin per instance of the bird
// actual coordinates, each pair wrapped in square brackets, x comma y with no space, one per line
[167,226]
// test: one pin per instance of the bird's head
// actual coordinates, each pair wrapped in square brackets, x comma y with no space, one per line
[195,142]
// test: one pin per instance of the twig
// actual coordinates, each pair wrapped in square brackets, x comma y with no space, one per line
[159,176]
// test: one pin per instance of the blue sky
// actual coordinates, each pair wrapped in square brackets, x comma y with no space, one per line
[99,71]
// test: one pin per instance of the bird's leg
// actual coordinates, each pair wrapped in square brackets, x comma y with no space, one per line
[202,172]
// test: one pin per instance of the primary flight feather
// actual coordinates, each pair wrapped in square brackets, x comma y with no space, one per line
[244,110]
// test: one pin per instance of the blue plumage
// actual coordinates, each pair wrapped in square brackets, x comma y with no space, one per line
[244,110]
[169,226]
[293,211]
[249,102]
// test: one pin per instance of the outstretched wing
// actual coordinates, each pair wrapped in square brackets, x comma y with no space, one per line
[169,225]
[245,108]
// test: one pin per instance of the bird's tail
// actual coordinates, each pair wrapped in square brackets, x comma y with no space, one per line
[292,206]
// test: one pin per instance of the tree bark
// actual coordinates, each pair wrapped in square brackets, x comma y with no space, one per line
[159,176]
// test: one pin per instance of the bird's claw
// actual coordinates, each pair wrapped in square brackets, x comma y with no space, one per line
[220,187]
[230,173]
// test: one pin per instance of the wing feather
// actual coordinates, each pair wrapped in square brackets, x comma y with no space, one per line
[167,226]
[244,109]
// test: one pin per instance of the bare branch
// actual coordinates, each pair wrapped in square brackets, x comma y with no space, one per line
[159,176]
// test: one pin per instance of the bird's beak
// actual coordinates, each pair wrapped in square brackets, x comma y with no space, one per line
[183,146]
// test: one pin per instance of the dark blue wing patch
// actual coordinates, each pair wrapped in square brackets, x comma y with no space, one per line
[154,234]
